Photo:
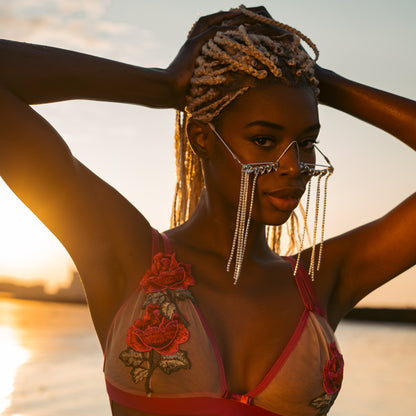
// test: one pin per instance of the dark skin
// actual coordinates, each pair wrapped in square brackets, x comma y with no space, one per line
[110,241]
[273,284]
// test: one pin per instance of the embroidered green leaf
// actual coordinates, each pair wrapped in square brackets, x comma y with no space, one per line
[154,297]
[139,373]
[323,403]
[168,309]
[182,294]
[175,362]
[131,358]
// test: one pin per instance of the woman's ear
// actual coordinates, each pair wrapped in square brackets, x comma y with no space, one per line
[199,138]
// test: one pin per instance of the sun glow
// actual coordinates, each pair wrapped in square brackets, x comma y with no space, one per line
[28,250]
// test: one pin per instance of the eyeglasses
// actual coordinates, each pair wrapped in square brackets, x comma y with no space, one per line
[311,169]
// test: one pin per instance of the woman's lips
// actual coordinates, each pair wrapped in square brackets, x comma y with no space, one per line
[285,199]
[283,204]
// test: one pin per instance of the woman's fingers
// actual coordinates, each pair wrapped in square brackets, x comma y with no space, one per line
[260,10]
[205,22]
[234,17]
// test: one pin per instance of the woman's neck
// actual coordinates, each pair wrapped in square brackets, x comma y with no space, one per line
[211,228]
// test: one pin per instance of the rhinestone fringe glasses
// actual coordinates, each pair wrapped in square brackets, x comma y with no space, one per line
[245,205]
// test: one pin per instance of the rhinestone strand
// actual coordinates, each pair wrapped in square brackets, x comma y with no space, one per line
[237,222]
[244,232]
[305,225]
[315,228]
[241,228]
[323,220]
[241,213]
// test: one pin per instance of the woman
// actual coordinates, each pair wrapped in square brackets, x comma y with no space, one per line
[183,339]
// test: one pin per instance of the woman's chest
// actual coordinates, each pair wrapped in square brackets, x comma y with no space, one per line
[250,330]
[187,336]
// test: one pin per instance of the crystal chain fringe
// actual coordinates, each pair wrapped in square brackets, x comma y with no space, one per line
[312,262]
[305,222]
[323,220]
[241,229]
[237,222]
[242,225]
[243,221]
[311,271]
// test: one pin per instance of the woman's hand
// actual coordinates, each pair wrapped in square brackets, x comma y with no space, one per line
[181,69]
[325,78]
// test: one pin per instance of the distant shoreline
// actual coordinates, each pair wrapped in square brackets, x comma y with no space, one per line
[44,298]
[400,315]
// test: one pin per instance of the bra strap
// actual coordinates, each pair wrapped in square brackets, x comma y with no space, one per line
[166,244]
[155,242]
[306,289]
[167,247]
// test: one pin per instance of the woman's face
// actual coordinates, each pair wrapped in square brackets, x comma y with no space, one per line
[258,127]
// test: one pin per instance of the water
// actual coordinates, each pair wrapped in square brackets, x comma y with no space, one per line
[62,361]
[380,370]
[51,363]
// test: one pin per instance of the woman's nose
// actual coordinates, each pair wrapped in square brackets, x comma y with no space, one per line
[289,162]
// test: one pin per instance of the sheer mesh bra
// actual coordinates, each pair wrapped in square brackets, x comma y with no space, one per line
[161,357]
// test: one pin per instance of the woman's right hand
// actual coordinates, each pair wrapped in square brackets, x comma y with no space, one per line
[180,71]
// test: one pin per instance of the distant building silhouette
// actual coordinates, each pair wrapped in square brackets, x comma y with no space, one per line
[73,293]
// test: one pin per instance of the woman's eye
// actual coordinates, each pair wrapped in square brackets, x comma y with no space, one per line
[263,141]
[308,144]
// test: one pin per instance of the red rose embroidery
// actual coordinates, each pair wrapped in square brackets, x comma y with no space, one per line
[333,370]
[155,332]
[167,273]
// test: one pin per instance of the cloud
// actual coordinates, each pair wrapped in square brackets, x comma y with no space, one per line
[83,25]
[90,8]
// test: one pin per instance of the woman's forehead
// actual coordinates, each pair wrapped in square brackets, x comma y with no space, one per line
[276,104]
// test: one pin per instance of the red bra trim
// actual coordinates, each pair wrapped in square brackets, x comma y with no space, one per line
[305,288]
[216,349]
[185,406]
[167,244]
[277,364]
[167,247]
[290,346]
[155,242]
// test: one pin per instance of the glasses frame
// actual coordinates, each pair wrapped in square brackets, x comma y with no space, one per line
[261,168]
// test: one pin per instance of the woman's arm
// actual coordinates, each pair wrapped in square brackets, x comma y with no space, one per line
[363,259]
[391,113]
[41,74]
[96,225]
[108,239]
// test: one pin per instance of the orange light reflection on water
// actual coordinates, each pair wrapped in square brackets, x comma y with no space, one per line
[12,356]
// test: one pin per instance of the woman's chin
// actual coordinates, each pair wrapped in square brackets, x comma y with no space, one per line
[273,218]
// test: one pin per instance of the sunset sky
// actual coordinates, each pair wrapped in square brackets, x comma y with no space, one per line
[131,147]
